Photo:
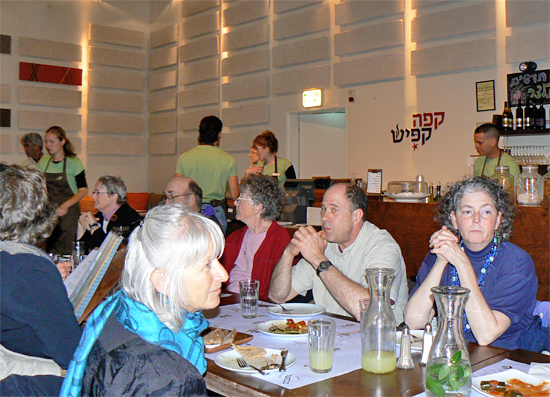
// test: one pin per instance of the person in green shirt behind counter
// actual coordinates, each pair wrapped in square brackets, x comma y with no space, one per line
[486,138]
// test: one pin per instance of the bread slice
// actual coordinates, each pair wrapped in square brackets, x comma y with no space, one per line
[230,337]
[216,336]
[249,352]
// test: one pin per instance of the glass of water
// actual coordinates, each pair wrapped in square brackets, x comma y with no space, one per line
[249,297]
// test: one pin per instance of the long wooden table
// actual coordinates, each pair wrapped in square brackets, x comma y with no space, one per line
[356,383]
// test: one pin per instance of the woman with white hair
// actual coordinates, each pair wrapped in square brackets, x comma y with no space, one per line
[112,211]
[145,339]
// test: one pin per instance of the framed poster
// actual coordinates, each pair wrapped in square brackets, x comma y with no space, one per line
[485,95]
[374,182]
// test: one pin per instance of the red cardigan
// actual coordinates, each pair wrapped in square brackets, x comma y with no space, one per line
[265,259]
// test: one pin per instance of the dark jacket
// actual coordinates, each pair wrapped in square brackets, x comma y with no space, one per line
[37,318]
[124,216]
[123,364]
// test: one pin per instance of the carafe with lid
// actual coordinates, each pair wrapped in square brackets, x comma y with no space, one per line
[378,324]
[449,372]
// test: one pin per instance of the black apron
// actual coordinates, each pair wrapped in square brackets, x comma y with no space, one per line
[59,191]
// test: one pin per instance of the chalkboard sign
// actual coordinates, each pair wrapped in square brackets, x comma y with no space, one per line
[525,86]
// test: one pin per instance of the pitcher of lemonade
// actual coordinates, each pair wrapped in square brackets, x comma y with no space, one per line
[378,324]
[448,371]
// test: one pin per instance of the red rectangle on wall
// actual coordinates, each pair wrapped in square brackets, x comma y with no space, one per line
[49,73]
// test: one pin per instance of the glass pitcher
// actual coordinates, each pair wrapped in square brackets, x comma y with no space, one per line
[448,372]
[378,324]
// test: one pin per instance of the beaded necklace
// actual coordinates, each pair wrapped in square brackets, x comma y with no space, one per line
[487,266]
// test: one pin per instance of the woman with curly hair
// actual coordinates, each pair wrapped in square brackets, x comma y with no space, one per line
[472,250]
[270,164]
[253,251]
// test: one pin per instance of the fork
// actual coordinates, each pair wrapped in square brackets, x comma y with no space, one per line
[243,364]
[284,308]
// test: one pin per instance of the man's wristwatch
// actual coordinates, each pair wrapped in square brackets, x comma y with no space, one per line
[95,224]
[323,266]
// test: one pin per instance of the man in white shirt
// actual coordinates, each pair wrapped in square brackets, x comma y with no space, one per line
[33,144]
[335,259]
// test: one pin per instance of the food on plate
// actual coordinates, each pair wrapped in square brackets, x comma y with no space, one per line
[249,352]
[515,388]
[290,328]
[219,336]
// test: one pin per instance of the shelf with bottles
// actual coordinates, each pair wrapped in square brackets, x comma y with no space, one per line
[530,131]
[529,119]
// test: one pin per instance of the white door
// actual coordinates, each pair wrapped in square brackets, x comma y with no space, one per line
[322,145]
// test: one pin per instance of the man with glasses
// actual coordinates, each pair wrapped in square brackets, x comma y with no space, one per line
[186,191]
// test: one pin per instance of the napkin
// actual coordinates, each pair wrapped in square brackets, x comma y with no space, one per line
[540,370]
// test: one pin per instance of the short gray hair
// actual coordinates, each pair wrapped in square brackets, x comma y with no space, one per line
[500,198]
[26,215]
[32,138]
[114,185]
[173,239]
[265,190]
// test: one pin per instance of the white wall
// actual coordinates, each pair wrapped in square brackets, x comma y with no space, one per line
[68,22]
[400,58]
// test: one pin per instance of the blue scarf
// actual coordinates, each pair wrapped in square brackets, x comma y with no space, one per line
[139,319]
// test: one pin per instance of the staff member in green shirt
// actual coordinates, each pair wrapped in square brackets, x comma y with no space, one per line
[66,183]
[270,164]
[490,155]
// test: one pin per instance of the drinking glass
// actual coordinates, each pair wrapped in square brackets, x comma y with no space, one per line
[321,334]
[249,297]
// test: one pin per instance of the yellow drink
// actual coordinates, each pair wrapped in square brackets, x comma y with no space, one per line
[378,362]
[320,361]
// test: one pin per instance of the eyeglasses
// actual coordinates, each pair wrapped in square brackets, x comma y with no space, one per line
[239,199]
[98,192]
[170,197]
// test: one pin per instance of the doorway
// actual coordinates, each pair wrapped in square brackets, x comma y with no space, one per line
[322,144]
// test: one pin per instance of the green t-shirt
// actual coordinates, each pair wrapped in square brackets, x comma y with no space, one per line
[282,166]
[210,167]
[505,159]
[74,167]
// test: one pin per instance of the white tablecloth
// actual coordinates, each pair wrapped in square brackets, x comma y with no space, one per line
[347,346]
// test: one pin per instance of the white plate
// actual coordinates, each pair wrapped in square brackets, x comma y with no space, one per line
[264,328]
[505,376]
[284,223]
[298,310]
[407,198]
[415,346]
[228,360]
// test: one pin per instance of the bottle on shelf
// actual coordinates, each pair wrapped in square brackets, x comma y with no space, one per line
[540,119]
[438,196]
[519,117]
[529,116]
[507,118]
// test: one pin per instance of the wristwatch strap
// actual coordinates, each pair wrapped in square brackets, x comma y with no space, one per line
[323,266]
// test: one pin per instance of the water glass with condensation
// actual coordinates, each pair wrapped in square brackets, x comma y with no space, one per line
[321,334]
[249,297]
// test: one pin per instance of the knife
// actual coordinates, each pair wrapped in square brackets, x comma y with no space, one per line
[284,353]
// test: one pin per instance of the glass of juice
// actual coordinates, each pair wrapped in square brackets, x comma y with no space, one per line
[321,334]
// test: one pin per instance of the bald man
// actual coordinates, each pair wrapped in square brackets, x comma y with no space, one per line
[490,155]
[186,191]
